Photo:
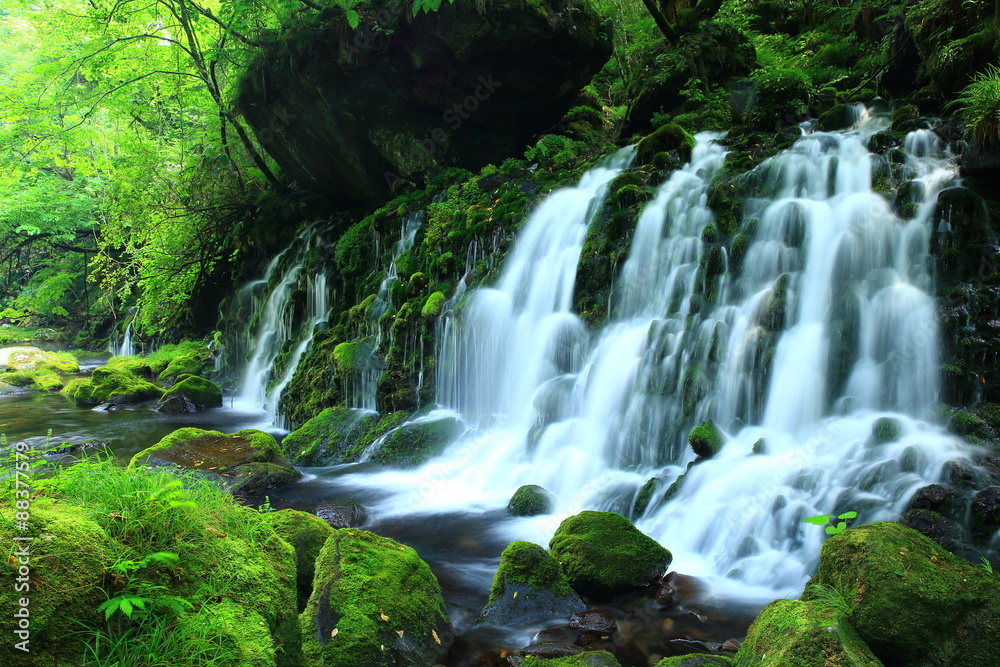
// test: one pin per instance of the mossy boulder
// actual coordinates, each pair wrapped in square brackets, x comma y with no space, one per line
[328,435]
[176,359]
[242,633]
[697,660]
[413,443]
[797,633]
[43,379]
[64,581]
[134,364]
[111,385]
[33,359]
[583,659]
[244,463]
[604,555]
[374,603]
[192,394]
[670,137]
[306,533]
[886,430]
[706,439]
[529,586]
[644,496]
[911,601]
[530,500]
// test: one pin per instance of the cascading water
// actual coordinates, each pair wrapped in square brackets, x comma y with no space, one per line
[817,329]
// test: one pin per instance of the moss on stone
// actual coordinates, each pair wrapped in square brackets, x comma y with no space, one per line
[796,633]
[604,555]
[351,357]
[412,444]
[697,660]
[670,137]
[530,500]
[886,430]
[327,436]
[529,585]
[43,379]
[585,659]
[241,633]
[133,364]
[306,533]
[66,561]
[706,439]
[911,601]
[178,358]
[110,385]
[27,358]
[374,602]
[644,496]
[432,307]
[191,394]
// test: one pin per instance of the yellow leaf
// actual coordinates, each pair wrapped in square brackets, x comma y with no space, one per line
[401,548]
[333,633]
[515,594]
[435,635]
[382,614]
[399,632]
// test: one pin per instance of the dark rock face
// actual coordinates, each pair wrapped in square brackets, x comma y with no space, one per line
[347,113]
[341,513]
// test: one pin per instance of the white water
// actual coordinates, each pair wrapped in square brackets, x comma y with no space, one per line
[126,348]
[591,416]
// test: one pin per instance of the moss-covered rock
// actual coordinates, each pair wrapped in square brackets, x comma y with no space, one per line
[413,443]
[432,307]
[374,602]
[604,555]
[110,385]
[243,463]
[697,660]
[176,359]
[33,359]
[670,137]
[328,436]
[306,533]
[192,394]
[644,496]
[43,379]
[241,633]
[529,586]
[911,601]
[62,580]
[886,430]
[706,439]
[584,659]
[797,633]
[530,500]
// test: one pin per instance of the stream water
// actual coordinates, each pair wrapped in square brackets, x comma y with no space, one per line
[825,325]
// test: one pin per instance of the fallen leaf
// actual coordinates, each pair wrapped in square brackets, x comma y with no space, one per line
[382,614]
[435,635]
[515,594]
[401,548]
[333,633]
[399,632]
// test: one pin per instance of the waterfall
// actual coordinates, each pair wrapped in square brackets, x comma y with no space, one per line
[814,324]
[126,348]
[277,325]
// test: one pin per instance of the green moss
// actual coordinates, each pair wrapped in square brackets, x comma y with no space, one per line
[795,633]
[670,137]
[644,496]
[969,427]
[241,633]
[328,436]
[110,385]
[306,533]
[35,359]
[34,380]
[604,555]
[216,448]
[203,393]
[698,660]
[886,430]
[530,500]
[374,602]
[432,307]
[523,564]
[412,444]
[66,564]
[184,357]
[351,357]
[135,365]
[585,659]
[706,439]
[911,601]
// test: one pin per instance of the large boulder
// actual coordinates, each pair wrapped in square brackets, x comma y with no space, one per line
[374,603]
[529,586]
[911,601]
[192,394]
[111,385]
[404,95]
[530,500]
[329,435]
[244,463]
[62,578]
[306,533]
[604,555]
[413,443]
[29,358]
[805,634]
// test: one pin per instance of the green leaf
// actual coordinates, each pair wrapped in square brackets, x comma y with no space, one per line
[353,19]
[819,520]
[848,515]
[831,530]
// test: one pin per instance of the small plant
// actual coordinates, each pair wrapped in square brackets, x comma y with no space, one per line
[266,506]
[986,564]
[142,598]
[979,107]
[832,527]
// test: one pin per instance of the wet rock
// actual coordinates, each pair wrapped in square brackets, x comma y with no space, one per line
[730,645]
[530,500]
[936,498]
[374,602]
[939,528]
[76,447]
[551,650]
[413,443]
[644,496]
[911,602]
[666,596]
[341,513]
[244,463]
[307,534]
[192,394]
[589,658]
[706,440]
[985,514]
[960,474]
[696,661]
[599,621]
[886,430]
[529,585]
